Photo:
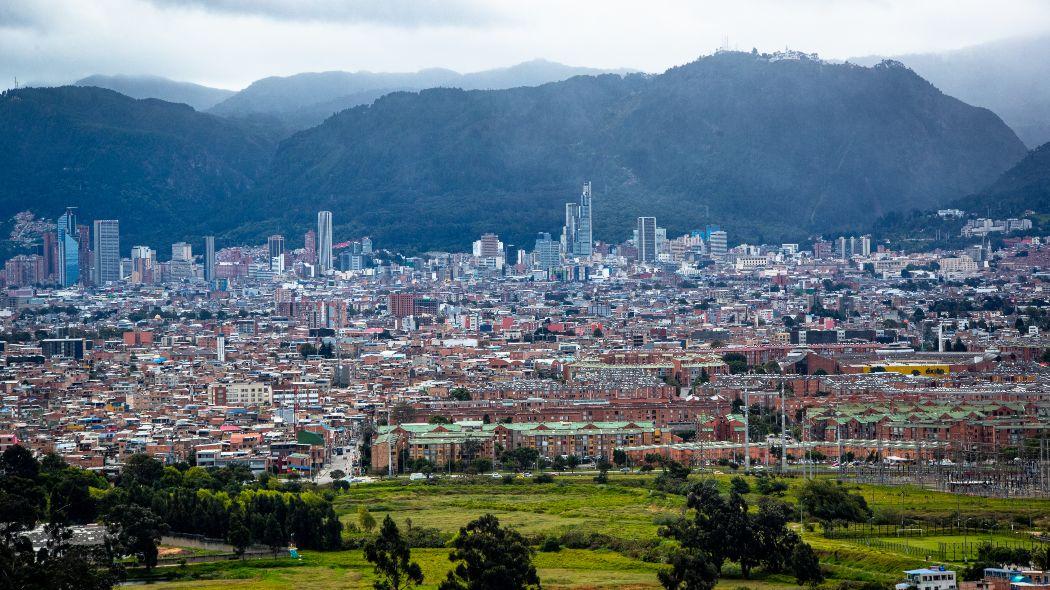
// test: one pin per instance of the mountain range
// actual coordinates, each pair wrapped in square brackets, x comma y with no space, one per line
[306,99]
[768,146]
[1010,77]
[197,96]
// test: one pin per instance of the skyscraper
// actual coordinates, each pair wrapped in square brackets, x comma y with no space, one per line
[584,236]
[324,241]
[49,250]
[718,244]
[143,261]
[865,245]
[647,239]
[209,258]
[275,246]
[576,236]
[182,251]
[310,247]
[86,258]
[68,248]
[107,251]
[547,253]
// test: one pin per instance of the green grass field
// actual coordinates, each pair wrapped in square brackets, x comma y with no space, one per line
[624,510]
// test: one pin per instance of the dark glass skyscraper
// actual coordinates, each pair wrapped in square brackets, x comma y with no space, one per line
[68,248]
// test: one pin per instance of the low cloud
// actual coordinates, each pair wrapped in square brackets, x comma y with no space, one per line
[405,13]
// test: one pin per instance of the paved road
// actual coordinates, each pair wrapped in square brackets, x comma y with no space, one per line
[344,463]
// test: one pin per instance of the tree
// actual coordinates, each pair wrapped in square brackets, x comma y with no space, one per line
[739,485]
[240,536]
[805,565]
[740,538]
[138,530]
[737,362]
[620,457]
[691,569]
[273,535]
[831,502]
[460,394]
[572,462]
[521,457]
[391,557]
[365,519]
[337,474]
[307,350]
[142,470]
[1041,557]
[490,557]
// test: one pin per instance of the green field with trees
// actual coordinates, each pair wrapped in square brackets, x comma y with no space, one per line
[667,528]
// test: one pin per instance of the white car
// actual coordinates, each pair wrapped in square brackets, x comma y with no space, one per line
[495,475]
[417,476]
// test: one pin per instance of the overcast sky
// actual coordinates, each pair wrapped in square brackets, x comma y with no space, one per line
[229,43]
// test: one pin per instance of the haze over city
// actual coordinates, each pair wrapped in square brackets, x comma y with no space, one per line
[230,43]
[499,295]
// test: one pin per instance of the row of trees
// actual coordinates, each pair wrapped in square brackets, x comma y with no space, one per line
[722,528]
[148,501]
[486,555]
[229,504]
[60,496]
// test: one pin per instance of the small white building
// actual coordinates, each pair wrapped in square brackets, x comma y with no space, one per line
[935,578]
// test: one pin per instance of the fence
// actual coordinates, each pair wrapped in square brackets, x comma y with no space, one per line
[209,557]
[945,551]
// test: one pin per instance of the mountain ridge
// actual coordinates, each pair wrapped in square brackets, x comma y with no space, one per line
[802,145]
[771,147]
[198,96]
[1005,76]
[305,99]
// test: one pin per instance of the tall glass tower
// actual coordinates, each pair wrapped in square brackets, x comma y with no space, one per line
[584,237]
[324,241]
[68,248]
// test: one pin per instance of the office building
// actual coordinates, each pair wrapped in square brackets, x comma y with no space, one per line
[577,238]
[24,271]
[182,252]
[366,246]
[324,241]
[143,265]
[107,251]
[646,241]
[275,246]
[49,252]
[718,244]
[209,258]
[70,348]
[68,249]
[310,247]
[488,246]
[86,257]
[547,253]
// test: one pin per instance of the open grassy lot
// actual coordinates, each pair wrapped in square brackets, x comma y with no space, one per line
[626,511]
[624,508]
[569,568]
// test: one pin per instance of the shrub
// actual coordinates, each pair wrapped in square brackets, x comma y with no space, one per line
[550,545]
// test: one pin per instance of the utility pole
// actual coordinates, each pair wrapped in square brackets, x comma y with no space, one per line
[391,440]
[747,433]
[783,431]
